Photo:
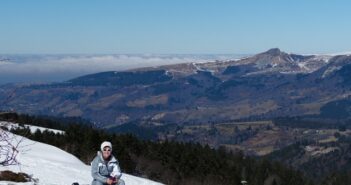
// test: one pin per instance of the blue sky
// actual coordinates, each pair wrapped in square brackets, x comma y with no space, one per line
[174,27]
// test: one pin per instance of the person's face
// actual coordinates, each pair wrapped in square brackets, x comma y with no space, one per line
[106,152]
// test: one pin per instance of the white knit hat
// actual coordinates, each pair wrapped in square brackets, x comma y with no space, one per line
[105,144]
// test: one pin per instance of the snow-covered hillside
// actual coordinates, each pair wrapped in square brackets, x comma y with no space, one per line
[32,128]
[53,166]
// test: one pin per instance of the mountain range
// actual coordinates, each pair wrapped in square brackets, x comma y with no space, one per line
[263,86]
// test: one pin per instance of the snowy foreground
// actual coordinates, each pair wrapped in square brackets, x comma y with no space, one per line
[53,166]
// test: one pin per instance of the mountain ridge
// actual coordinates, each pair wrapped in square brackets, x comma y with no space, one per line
[264,85]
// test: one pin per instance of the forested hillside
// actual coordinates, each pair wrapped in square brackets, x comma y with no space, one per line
[167,162]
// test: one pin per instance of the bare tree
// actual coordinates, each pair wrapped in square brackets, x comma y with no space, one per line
[9,148]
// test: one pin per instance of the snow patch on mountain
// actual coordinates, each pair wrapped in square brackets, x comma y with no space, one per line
[32,128]
[303,66]
[199,68]
[331,70]
[341,53]
[324,58]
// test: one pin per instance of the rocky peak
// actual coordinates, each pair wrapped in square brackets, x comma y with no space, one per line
[273,51]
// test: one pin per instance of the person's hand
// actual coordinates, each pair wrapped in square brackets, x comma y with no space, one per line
[110,181]
[115,181]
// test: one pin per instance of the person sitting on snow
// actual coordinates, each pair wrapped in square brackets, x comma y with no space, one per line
[105,168]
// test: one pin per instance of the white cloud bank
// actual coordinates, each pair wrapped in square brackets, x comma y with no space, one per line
[48,68]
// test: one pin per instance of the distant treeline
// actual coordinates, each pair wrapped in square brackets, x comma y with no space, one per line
[312,122]
[53,122]
[332,168]
[168,162]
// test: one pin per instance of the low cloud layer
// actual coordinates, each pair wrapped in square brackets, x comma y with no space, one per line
[49,68]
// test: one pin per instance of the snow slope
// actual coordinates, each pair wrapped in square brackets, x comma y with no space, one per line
[53,166]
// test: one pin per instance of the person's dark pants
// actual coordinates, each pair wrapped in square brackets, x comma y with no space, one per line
[95,182]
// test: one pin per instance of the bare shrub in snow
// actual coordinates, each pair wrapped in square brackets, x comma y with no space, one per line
[9,148]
